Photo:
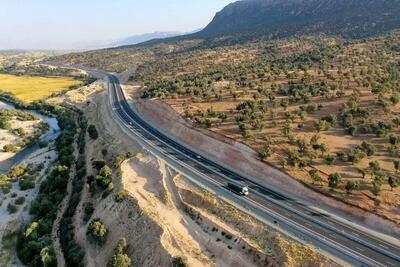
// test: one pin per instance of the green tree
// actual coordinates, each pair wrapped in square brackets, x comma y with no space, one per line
[105,171]
[10,148]
[376,189]
[97,231]
[48,257]
[396,164]
[393,182]
[351,186]
[93,132]
[120,258]
[314,174]
[334,180]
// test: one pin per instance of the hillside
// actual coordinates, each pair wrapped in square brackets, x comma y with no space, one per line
[279,18]
[321,108]
[317,108]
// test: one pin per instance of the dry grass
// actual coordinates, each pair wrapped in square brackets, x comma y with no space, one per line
[32,88]
[216,81]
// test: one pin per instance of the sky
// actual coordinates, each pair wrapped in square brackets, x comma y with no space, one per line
[73,24]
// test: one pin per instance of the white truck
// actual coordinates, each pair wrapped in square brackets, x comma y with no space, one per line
[239,189]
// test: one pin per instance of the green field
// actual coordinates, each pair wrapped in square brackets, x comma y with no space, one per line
[31,88]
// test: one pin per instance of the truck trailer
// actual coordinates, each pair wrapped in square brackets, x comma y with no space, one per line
[239,189]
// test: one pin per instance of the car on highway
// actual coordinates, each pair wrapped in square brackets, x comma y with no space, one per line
[239,189]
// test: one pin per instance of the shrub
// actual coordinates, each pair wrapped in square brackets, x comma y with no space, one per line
[20,201]
[43,144]
[12,208]
[93,132]
[27,182]
[102,181]
[10,148]
[352,185]
[179,262]
[18,171]
[97,231]
[89,209]
[5,184]
[98,164]
[105,171]
[120,196]
[334,180]
[120,258]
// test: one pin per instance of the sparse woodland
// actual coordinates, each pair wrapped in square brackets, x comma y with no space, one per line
[323,109]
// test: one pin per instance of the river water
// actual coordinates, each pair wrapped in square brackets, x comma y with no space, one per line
[52,134]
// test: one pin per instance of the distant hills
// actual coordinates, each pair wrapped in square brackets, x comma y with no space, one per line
[279,18]
[137,39]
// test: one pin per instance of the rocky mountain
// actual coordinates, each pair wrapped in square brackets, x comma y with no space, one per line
[348,18]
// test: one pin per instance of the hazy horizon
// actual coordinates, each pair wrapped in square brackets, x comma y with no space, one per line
[66,25]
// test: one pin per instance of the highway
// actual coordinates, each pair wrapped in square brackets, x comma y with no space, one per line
[341,240]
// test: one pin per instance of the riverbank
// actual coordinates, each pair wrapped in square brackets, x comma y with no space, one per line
[22,137]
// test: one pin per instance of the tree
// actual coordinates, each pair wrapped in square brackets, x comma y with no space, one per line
[355,155]
[105,171]
[393,182]
[352,185]
[120,196]
[48,257]
[330,159]
[322,125]
[334,180]
[368,148]
[314,174]
[396,164]
[315,139]
[93,132]
[324,148]
[97,231]
[10,148]
[120,258]
[376,189]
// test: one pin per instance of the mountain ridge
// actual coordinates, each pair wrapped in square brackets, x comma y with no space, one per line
[348,18]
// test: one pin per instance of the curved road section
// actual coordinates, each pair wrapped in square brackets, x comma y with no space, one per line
[344,242]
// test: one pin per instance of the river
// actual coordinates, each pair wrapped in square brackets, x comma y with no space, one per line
[52,134]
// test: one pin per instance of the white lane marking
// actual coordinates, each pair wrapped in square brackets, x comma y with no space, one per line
[355,234]
[390,263]
[360,249]
[382,246]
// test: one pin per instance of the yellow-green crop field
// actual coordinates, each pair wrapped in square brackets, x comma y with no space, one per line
[31,88]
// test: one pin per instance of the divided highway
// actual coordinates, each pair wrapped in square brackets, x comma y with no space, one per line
[342,240]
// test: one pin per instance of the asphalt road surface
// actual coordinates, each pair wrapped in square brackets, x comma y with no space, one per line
[335,237]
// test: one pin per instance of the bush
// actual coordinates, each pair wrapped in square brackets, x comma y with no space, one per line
[20,201]
[120,258]
[89,209]
[97,231]
[12,208]
[5,184]
[334,180]
[105,171]
[120,196]
[179,262]
[102,181]
[43,144]
[18,171]
[10,148]
[93,132]
[27,182]
[98,164]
